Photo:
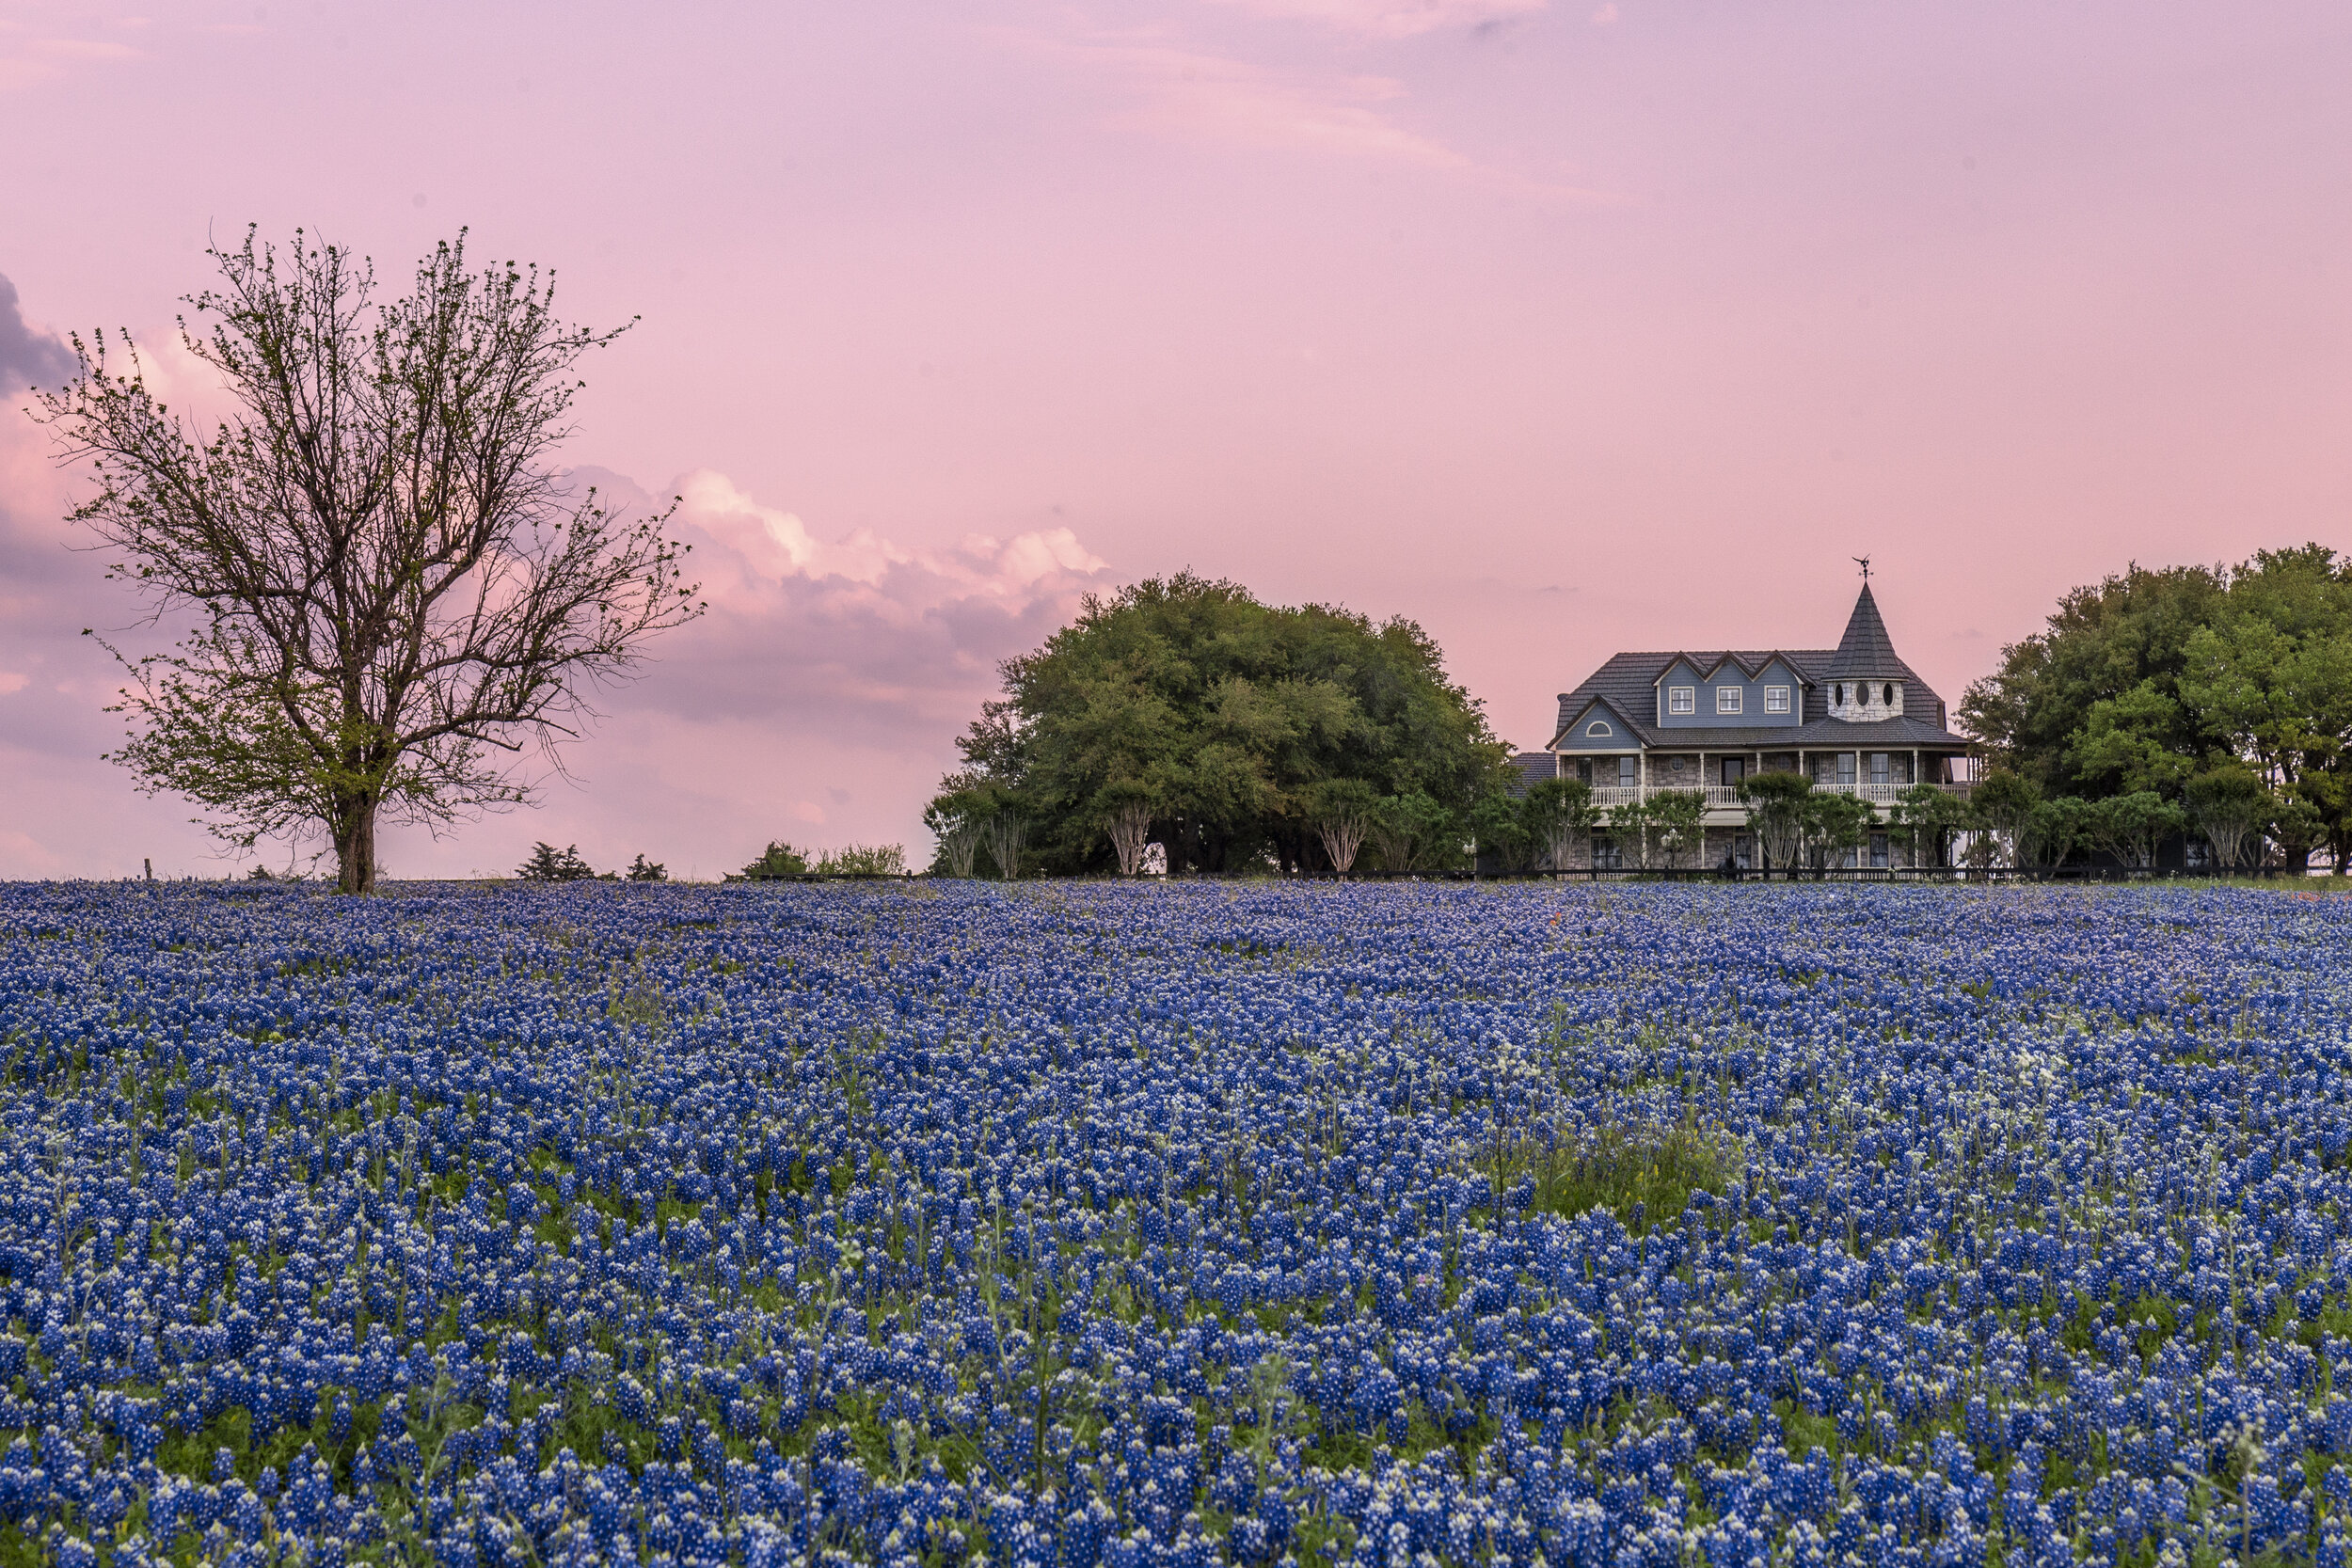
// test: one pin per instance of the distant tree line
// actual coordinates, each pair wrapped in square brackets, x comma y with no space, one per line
[852,860]
[548,863]
[2212,701]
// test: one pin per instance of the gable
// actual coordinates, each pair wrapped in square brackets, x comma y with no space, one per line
[1597,726]
[1684,671]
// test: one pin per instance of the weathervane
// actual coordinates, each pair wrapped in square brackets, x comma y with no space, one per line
[1862,562]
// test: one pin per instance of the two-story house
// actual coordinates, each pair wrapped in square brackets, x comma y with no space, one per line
[1855,718]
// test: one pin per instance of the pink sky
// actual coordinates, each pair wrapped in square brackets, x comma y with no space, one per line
[1560,327]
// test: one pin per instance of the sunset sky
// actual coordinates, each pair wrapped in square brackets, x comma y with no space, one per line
[1558,327]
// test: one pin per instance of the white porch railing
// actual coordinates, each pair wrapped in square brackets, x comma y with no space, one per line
[1884,794]
[1726,797]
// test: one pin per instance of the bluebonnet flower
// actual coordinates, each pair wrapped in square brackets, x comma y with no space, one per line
[1174,1225]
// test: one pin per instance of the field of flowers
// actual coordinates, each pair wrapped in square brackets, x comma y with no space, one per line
[1621,1228]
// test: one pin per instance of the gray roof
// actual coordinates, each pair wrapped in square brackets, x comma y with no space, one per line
[1528,767]
[1628,683]
[1865,652]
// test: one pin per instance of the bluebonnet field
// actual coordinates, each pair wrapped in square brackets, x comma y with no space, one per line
[1174,1225]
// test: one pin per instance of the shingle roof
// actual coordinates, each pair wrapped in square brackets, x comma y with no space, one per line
[1628,682]
[1529,766]
[1865,652]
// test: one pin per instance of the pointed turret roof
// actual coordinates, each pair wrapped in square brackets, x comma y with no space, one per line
[1865,652]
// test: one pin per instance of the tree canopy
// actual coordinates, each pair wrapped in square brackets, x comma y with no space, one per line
[1242,731]
[2183,685]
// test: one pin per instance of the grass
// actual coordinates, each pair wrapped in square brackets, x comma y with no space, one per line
[1644,1172]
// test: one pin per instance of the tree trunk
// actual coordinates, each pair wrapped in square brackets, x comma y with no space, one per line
[1130,830]
[354,843]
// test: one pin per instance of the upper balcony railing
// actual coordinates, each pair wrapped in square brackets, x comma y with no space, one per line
[1726,797]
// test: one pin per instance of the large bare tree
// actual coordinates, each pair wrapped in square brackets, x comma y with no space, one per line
[395,600]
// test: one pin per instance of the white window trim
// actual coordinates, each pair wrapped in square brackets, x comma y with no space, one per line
[1682,699]
[1775,699]
[1598,726]
[1728,699]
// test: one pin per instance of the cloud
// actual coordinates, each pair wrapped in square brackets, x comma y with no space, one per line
[1230,100]
[1192,95]
[864,638]
[86,49]
[27,358]
[27,61]
[1392,19]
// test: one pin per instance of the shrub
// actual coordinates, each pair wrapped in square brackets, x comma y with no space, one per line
[864,859]
[550,865]
[777,860]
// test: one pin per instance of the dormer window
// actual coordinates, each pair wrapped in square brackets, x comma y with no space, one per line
[1775,699]
[1682,699]
[1727,699]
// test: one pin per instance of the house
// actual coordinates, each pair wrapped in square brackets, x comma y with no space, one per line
[1856,717]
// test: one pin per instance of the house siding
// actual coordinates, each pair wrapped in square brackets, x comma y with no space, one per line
[1728,674]
[1622,736]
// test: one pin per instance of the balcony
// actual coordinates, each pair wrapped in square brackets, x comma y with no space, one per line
[1884,794]
[1726,797]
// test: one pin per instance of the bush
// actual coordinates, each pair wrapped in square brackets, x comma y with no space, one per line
[864,859]
[550,865]
[777,860]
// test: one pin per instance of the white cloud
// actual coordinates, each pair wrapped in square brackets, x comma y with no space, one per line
[1189,94]
[774,545]
[25,62]
[1194,95]
[86,49]
[873,641]
[1391,19]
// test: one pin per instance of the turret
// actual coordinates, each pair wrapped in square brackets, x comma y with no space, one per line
[1863,681]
